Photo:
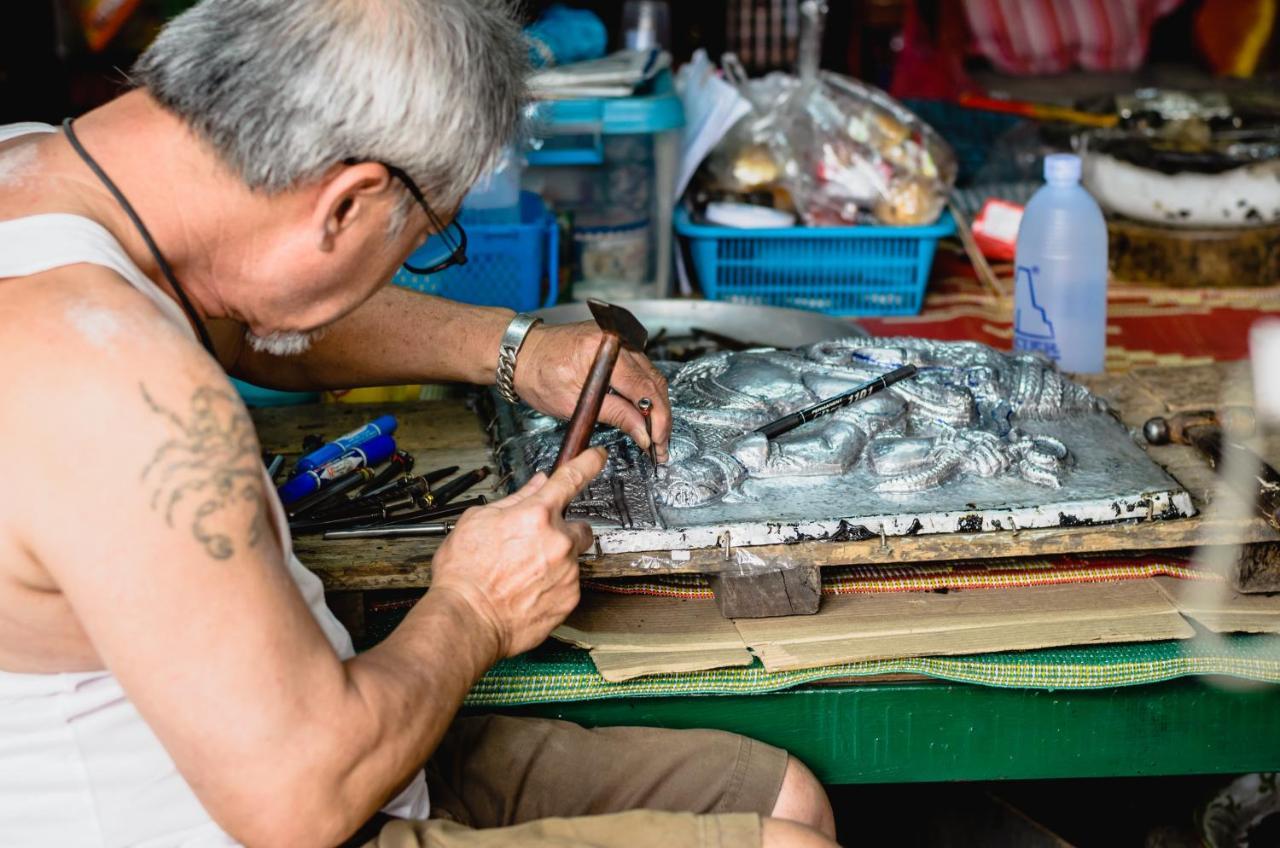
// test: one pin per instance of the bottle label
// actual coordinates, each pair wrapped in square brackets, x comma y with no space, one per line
[1032,327]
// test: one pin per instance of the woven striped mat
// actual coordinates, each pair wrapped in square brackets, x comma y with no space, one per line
[556,673]
[932,577]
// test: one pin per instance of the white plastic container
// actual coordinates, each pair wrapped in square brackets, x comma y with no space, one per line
[1060,294]
[495,199]
[611,164]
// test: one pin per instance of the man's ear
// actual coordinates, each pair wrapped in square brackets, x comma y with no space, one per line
[351,195]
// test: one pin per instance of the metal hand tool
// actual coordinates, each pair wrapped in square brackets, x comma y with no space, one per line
[646,409]
[1208,432]
[329,495]
[621,330]
[407,531]
[438,512]
[401,462]
[456,486]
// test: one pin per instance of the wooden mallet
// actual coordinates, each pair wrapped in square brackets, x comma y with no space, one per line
[621,329]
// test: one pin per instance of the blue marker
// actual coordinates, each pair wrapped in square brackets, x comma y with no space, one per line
[371,453]
[381,426]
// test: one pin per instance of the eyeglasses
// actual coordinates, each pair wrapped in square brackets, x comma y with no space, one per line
[447,245]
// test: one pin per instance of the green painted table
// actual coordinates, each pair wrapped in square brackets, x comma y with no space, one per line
[935,731]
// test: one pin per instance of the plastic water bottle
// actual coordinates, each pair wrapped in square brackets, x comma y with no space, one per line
[1060,292]
[495,198]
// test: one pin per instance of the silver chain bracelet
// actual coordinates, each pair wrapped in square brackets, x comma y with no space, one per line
[508,349]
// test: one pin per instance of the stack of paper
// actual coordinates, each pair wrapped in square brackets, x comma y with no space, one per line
[616,75]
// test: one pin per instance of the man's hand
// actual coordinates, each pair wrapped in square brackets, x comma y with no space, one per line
[553,365]
[515,562]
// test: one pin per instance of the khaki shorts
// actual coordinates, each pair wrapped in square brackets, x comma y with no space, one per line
[497,780]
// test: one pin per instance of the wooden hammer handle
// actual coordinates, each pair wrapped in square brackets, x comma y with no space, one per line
[585,415]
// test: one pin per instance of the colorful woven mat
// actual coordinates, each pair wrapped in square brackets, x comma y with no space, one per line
[1146,325]
[932,577]
[559,673]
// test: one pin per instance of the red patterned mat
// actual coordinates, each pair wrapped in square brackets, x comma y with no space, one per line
[1145,325]
[933,577]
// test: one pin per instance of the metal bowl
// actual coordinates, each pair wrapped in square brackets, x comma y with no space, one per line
[767,325]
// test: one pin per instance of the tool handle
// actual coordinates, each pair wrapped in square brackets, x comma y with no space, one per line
[457,486]
[1258,488]
[585,415]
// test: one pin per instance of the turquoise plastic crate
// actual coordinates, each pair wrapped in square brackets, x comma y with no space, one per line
[512,265]
[258,396]
[868,270]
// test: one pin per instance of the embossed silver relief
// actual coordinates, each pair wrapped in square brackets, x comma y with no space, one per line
[957,417]
[975,435]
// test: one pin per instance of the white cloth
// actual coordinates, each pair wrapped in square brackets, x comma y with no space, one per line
[78,765]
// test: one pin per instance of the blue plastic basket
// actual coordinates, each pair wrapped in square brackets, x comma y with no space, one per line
[512,265]
[866,270]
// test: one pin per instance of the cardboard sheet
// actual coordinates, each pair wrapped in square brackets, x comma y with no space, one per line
[857,628]
[1222,609]
[630,636]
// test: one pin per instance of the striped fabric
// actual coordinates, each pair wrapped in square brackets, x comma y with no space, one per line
[929,577]
[763,33]
[567,674]
[1053,36]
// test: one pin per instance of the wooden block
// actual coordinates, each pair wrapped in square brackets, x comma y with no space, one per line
[1258,568]
[790,591]
[1142,252]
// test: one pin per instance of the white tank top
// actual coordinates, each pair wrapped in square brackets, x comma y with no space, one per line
[78,765]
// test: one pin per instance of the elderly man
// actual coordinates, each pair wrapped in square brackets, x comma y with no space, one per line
[168,672]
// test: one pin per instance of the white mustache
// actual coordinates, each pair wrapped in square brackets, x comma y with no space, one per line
[290,343]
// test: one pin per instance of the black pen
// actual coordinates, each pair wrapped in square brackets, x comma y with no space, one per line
[787,423]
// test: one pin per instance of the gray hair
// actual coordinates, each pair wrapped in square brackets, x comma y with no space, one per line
[285,89]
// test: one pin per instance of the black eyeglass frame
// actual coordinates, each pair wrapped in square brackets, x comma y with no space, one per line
[457,246]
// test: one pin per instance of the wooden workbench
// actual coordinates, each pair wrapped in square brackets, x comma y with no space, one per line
[894,731]
[446,432]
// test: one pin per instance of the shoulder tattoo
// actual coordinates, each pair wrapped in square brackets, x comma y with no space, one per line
[208,467]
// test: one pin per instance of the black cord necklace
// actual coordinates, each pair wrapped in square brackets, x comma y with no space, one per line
[146,236]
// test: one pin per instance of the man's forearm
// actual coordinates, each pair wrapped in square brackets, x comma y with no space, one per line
[398,336]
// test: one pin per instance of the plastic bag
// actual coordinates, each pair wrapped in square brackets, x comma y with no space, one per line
[836,150]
